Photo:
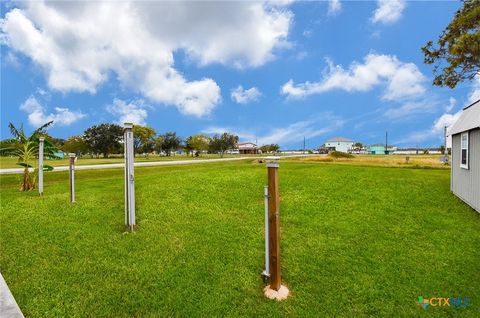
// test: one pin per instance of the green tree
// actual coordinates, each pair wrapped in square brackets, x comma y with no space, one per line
[158,144]
[197,143]
[442,149]
[270,148]
[357,147]
[221,143]
[143,139]
[26,149]
[57,142]
[75,144]
[171,142]
[458,51]
[104,139]
[7,143]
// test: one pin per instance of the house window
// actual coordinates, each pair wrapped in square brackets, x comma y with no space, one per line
[464,150]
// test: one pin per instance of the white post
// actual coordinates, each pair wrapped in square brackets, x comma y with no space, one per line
[72,177]
[129,177]
[40,165]
[266,272]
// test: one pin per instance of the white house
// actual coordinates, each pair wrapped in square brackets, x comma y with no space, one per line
[339,144]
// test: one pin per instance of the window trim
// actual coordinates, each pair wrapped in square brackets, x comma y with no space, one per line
[464,166]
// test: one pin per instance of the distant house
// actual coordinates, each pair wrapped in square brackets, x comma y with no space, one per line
[339,144]
[379,149]
[465,169]
[247,148]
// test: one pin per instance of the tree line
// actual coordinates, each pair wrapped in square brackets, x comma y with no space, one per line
[107,139]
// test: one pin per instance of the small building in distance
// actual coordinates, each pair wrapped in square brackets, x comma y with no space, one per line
[379,149]
[408,151]
[465,169]
[247,148]
[339,144]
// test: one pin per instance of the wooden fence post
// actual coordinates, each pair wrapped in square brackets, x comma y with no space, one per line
[275,290]
[274,226]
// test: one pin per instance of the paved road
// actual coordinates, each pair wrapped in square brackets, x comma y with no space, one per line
[142,164]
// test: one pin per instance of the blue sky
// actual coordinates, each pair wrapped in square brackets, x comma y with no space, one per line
[272,72]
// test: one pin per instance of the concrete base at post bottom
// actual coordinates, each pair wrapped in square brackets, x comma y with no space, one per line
[280,294]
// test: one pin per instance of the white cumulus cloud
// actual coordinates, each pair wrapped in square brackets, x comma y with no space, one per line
[80,45]
[37,115]
[245,96]
[334,7]
[436,131]
[447,119]
[402,80]
[132,112]
[388,11]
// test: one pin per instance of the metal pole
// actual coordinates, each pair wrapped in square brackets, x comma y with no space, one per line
[40,165]
[445,152]
[274,226]
[72,177]
[266,272]
[129,177]
[386,142]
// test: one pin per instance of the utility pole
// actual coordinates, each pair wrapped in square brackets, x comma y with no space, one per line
[386,142]
[304,145]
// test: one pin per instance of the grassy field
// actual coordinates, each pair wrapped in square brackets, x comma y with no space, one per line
[356,241]
[400,161]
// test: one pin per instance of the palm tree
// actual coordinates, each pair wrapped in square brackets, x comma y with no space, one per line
[26,149]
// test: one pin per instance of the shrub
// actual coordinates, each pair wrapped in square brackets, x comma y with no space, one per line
[339,154]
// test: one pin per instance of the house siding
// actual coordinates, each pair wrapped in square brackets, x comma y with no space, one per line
[343,146]
[466,183]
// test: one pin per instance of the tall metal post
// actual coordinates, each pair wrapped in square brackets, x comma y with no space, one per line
[129,177]
[274,226]
[72,176]
[266,272]
[445,152]
[40,165]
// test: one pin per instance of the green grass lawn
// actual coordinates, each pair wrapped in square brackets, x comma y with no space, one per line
[356,241]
